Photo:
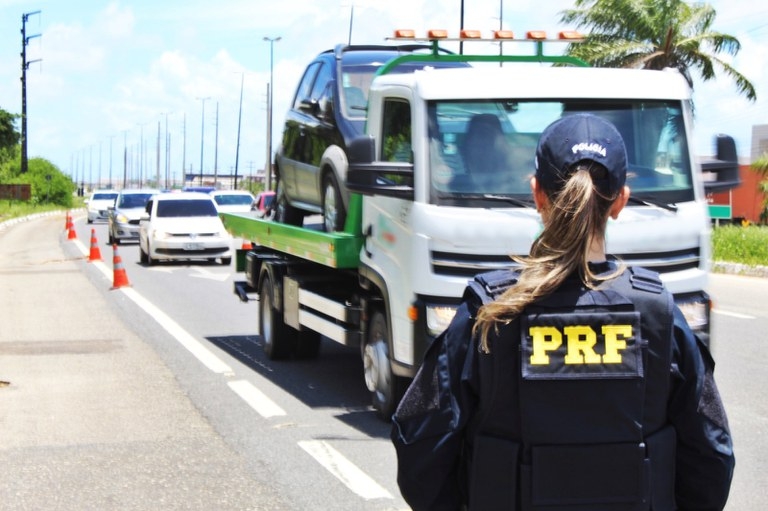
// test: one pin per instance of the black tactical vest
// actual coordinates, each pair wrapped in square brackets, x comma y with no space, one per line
[573,398]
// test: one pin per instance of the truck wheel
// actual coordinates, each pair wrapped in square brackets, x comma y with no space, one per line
[284,212]
[333,206]
[386,388]
[279,338]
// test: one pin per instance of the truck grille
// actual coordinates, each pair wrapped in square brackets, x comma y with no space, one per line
[449,264]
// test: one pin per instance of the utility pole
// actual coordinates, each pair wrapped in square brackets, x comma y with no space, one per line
[216,150]
[24,66]
[110,161]
[184,148]
[202,137]
[239,119]
[157,157]
[125,158]
[270,89]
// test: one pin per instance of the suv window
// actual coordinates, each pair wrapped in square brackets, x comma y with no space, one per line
[305,86]
[396,131]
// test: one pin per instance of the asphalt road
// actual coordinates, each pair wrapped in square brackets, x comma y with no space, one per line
[158,395]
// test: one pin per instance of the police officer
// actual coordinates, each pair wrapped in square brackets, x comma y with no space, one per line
[573,383]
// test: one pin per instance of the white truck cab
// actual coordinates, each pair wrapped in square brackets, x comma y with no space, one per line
[446,170]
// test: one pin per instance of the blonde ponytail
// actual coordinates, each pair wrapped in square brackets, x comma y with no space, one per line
[578,215]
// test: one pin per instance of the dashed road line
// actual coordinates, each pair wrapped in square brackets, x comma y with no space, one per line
[256,399]
[329,458]
[344,470]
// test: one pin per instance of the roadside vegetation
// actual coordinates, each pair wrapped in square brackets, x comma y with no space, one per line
[740,244]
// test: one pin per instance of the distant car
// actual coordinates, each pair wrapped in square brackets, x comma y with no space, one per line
[183,225]
[233,201]
[98,204]
[329,109]
[124,216]
[264,203]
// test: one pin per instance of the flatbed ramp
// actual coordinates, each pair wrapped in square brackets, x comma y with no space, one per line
[336,250]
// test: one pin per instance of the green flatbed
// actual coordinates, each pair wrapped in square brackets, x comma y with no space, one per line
[336,250]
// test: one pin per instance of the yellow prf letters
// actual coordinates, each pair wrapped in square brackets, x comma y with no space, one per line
[580,343]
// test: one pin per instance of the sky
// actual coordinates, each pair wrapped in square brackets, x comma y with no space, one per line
[118,76]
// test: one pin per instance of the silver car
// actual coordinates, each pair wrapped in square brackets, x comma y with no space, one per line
[124,216]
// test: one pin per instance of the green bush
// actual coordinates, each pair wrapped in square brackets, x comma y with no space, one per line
[746,245]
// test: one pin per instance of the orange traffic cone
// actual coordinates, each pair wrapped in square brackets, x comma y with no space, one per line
[95,254]
[68,222]
[247,245]
[120,277]
[71,234]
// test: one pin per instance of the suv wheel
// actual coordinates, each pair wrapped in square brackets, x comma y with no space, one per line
[334,215]
[284,212]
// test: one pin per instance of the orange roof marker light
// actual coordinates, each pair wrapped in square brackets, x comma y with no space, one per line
[503,34]
[470,34]
[405,33]
[437,33]
[536,35]
[570,35]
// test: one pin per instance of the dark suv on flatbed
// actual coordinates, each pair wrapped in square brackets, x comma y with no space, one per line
[329,110]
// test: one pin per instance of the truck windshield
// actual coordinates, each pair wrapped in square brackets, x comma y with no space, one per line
[484,150]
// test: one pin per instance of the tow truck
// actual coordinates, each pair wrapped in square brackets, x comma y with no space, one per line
[425,216]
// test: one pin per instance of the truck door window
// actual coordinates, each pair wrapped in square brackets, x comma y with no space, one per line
[396,131]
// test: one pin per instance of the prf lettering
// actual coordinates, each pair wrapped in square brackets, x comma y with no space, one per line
[580,341]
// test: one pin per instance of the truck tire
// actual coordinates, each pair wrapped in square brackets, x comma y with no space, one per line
[334,215]
[279,339]
[386,388]
[284,212]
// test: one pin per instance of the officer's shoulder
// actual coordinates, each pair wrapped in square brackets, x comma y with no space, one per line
[488,286]
[643,279]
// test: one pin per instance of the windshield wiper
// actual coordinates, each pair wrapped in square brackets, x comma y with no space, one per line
[487,196]
[509,199]
[653,203]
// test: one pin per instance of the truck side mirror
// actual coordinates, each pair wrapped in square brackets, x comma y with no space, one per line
[370,177]
[722,173]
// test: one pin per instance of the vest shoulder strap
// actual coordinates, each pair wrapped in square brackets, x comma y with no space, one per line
[488,286]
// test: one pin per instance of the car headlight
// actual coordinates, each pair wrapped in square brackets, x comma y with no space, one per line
[439,317]
[121,218]
[160,235]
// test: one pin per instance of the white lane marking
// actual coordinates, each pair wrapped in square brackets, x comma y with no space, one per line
[256,399]
[344,470]
[733,314]
[194,346]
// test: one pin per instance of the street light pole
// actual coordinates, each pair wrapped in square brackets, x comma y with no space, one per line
[202,137]
[268,167]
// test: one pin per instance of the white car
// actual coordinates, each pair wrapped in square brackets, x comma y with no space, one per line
[234,201]
[98,204]
[183,225]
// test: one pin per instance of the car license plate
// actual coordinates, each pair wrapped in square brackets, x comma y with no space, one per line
[192,246]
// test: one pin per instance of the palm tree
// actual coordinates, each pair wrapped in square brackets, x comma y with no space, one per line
[654,34]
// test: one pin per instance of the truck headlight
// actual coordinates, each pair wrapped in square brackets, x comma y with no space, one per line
[439,317]
[696,314]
